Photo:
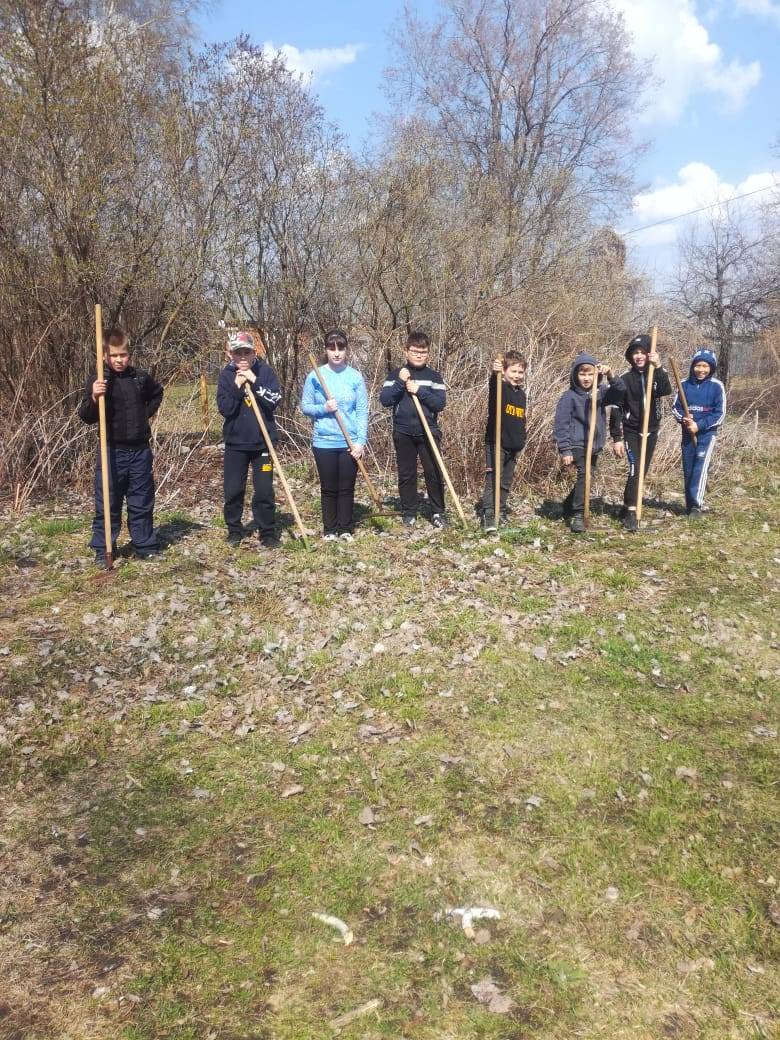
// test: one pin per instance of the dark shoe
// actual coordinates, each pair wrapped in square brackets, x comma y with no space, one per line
[505,519]
[148,554]
[234,537]
[489,525]
[695,514]
[577,524]
[270,541]
[439,521]
[100,559]
[630,521]
[409,519]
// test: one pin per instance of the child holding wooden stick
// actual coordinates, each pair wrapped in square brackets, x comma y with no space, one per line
[640,356]
[416,378]
[244,444]
[706,400]
[336,463]
[132,398]
[511,371]
[572,421]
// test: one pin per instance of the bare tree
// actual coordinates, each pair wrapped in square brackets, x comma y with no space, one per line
[728,280]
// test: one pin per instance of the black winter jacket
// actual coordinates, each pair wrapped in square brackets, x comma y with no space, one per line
[431,394]
[132,398]
[241,429]
[632,400]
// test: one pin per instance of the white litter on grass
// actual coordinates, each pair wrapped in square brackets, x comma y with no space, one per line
[335,922]
[469,914]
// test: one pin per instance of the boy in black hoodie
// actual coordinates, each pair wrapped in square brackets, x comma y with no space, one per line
[416,378]
[132,398]
[632,407]
[245,373]
[511,371]
[572,422]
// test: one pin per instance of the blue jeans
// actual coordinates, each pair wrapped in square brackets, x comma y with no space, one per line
[130,479]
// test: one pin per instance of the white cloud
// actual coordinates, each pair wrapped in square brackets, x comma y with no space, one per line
[697,185]
[762,8]
[312,64]
[676,46]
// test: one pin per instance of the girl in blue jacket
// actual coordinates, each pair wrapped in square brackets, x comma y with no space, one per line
[706,397]
[336,464]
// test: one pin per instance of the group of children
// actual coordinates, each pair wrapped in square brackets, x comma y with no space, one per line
[416,394]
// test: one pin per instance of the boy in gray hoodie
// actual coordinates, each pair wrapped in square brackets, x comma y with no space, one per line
[572,421]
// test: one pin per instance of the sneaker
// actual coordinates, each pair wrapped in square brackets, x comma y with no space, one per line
[330,537]
[577,524]
[695,514]
[148,554]
[270,541]
[630,521]
[489,525]
[346,536]
[505,519]
[439,521]
[409,519]
[234,537]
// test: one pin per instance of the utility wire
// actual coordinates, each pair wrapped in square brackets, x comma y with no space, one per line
[701,209]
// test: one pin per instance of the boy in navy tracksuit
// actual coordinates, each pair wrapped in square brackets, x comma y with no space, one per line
[706,398]
[415,378]
[245,373]
[511,371]
[132,398]
[572,422]
[632,409]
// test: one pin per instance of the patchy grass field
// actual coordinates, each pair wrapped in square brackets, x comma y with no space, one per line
[200,754]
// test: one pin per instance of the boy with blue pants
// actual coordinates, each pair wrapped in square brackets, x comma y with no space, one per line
[706,397]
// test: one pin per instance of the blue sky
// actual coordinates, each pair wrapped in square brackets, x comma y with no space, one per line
[712,121]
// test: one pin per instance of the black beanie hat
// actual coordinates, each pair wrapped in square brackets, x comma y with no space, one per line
[643,343]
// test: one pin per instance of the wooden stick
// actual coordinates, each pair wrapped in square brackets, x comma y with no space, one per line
[204,402]
[594,405]
[437,455]
[101,403]
[343,427]
[681,392]
[497,456]
[275,459]
[645,424]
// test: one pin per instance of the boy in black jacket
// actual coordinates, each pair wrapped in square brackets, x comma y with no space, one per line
[511,371]
[416,378]
[245,373]
[132,398]
[632,406]
[572,422]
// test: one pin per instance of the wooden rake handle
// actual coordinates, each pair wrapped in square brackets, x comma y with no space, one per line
[497,456]
[103,433]
[640,487]
[681,392]
[594,404]
[275,459]
[439,459]
[345,433]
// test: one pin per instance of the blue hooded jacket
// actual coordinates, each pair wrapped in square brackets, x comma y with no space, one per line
[706,397]
[572,416]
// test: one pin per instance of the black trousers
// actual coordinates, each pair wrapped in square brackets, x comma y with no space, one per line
[337,470]
[130,480]
[508,463]
[237,464]
[574,503]
[408,449]
[633,442]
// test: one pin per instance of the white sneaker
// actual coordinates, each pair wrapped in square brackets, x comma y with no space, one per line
[329,537]
[347,537]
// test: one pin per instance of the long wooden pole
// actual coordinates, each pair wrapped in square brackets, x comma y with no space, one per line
[277,465]
[681,392]
[439,459]
[497,456]
[594,405]
[640,487]
[345,433]
[101,403]
[204,402]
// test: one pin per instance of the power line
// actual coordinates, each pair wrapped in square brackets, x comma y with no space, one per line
[701,209]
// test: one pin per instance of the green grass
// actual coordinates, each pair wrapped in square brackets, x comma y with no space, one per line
[186,781]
